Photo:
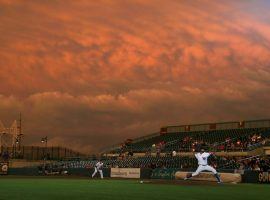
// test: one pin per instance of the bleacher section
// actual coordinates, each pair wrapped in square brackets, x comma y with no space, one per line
[236,145]
[186,141]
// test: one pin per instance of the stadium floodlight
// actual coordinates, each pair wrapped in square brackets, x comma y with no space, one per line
[45,139]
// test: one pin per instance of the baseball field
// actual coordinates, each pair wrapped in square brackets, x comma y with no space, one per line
[64,189]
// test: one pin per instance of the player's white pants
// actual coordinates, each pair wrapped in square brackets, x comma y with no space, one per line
[204,168]
[97,170]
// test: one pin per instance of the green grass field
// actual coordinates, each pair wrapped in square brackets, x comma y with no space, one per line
[63,189]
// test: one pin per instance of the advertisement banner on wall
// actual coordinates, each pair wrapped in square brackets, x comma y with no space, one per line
[163,173]
[264,177]
[125,172]
[3,168]
[256,177]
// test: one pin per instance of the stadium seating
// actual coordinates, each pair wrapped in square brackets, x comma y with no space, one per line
[177,142]
[242,139]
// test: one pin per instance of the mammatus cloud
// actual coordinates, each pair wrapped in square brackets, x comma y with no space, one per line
[80,71]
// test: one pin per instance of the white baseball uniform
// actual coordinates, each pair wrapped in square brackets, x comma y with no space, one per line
[203,163]
[98,168]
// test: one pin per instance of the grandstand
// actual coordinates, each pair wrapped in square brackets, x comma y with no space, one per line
[232,141]
[187,141]
[228,136]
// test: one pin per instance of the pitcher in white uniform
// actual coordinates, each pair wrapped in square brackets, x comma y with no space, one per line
[202,158]
[98,168]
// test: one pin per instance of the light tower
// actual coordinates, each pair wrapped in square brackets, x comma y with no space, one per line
[11,137]
[5,137]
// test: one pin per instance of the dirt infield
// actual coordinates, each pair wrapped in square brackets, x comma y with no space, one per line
[181,182]
[144,181]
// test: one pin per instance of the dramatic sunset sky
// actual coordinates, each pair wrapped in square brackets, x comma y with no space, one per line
[90,73]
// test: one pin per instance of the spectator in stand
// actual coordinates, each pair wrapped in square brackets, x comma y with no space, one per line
[153,165]
[230,144]
[148,153]
[6,156]
[264,165]
[221,147]
[158,151]
[130,153]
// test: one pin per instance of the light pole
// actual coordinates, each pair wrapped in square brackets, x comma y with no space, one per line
[15,152]
[45,141]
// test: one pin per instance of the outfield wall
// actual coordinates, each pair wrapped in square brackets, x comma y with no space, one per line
[13,163]
[256,177]
[142,173]
[34,171]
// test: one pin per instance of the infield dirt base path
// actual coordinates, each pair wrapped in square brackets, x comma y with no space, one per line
[145,181]
[182,182]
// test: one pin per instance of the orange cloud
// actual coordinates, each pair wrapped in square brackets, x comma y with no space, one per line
[118,69]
